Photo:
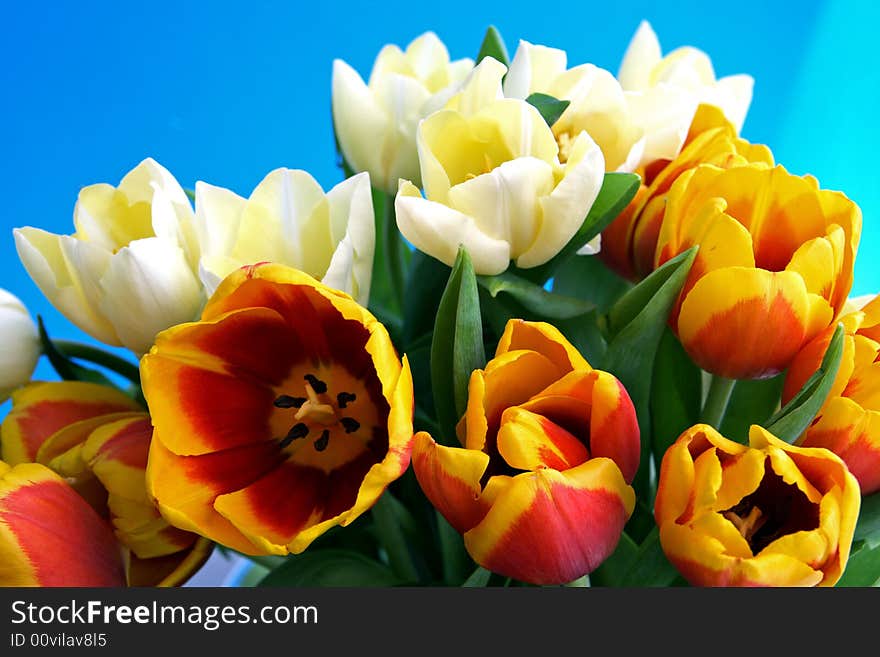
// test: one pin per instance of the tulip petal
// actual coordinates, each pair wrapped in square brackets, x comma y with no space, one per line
[642,55]
[543,338]
[528,441]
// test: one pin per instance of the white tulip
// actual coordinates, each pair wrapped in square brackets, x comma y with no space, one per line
[289,219]
[130,269]
[376,123]
[19,344]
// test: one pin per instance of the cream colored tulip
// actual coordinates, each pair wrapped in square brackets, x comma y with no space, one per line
[494,184]
[664,92]
[597,103]
[376,123]
[130,269]
[19,344]
[288,219]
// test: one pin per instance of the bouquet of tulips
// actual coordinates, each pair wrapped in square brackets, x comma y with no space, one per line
[553,327]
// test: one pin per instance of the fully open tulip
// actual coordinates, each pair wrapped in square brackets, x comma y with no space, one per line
[289,219]
[376,123]
[130,269]
[630,242]
[19,344]
[664,92]
[98,439]
[283,412]
[774,267]
[49,536]
[766,514]
[597,103]
[540,489]
[849,421]
[494,183]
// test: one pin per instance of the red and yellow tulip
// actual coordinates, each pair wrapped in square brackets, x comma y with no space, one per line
[630,242]
[774,267]
[849,421]
[540,489]
[50,536]
[283,412]
[98,439]
[766,514]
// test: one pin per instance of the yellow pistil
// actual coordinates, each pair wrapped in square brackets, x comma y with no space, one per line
[749,525]
[316,409]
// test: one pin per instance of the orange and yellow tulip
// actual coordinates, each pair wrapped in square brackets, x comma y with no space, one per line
[540,489]
[50,536]
[763,514]
[849,421]
[97,439]
[630,242]
[283,412]
[774,267]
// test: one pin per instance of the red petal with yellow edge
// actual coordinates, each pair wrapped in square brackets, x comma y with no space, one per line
[41,409]
[808,360]
[617,237]
[450,478]
[853,434]
[74,435]
[544,338]
[185,487]
[49,536]
[550,527]
[528,441]
[744,323]
[199,411]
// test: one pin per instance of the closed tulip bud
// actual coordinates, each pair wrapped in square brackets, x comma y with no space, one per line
[130,269]
[375,122]
[19,344]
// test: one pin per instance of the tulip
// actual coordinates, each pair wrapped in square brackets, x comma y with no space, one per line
[630,242]
[664,92]
[376,122]
[597,103]
[289,220]
[130,270]
[849,421]
[494,184]
[49,536]
[98,439]
[540,487]
[766,514]
[774,267]
[282,412]
[19,344]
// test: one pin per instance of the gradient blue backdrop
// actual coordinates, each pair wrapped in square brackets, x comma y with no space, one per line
[224,91]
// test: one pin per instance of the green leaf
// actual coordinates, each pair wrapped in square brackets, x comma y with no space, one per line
[868,526]
[330,568]
[637,322]
[493,46]
[617,191]
[64,366]
[630,565]
[862,567]
[676,394]
[790,422]
[457,346]
[426,280]
[457,564]
[534,298]
[550,108]
[615,567]
[480,577]
[585,334]
[393,523]
[752,402]
[588,278]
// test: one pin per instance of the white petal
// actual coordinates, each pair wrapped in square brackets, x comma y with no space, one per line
[592,247]
[67,271]
[354,231]
[439,230]
[139,183]
[218,215]
[565,209]
[733,94]
[665,114]
[533,69]
[147,288]
[19,344]
[481,87]
[642,55]
[427,55]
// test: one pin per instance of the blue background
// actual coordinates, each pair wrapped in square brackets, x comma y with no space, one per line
[224,92]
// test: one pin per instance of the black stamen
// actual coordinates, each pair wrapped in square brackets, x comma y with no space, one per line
[297,431]
[286,401]
[343,398]
[321,443]
[349,424]
[317,385]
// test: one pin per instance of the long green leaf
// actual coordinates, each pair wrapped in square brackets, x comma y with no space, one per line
[794,418]
[868,526]
[587,277]
[457,346]
[391,519]
[752,402]
[426,280]
[493,46]
[331,568]
[862,567]
[534,298]
[550,108]
[676,393]
[480,577]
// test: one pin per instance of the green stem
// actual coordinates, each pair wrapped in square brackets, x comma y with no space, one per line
[720,390]
[112,362]
[392,251]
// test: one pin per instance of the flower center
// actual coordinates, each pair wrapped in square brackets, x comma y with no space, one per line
[564,141]
[317,413]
